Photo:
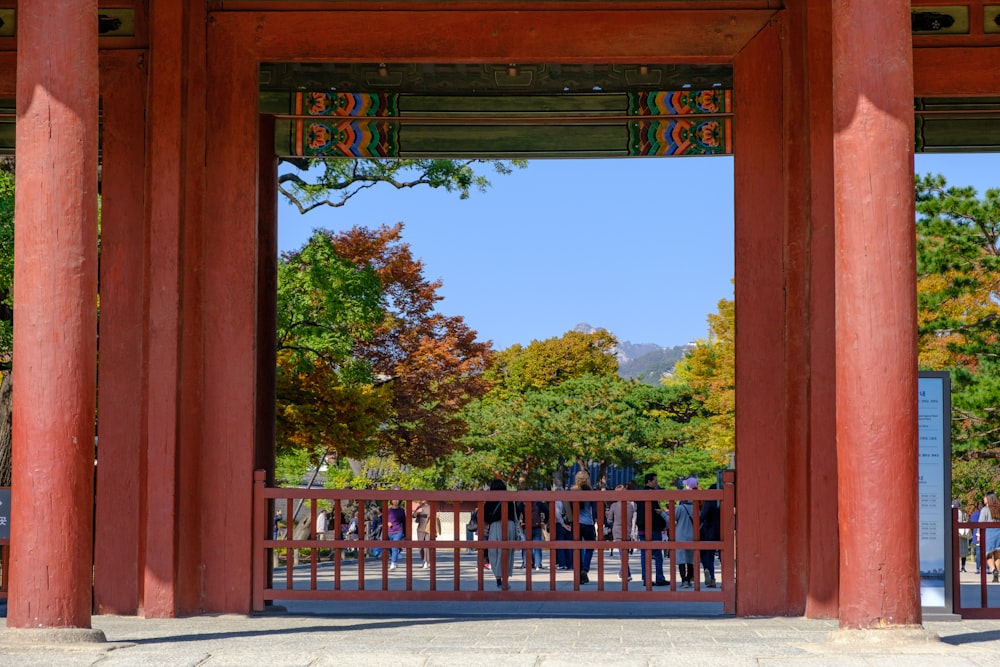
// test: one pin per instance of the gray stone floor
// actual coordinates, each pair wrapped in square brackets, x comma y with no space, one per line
[501,633]
[405,635]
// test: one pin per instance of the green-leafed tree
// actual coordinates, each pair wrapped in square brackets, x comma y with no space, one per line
[382,472]
[525,438]
[507,439]
[958,301]
[326,304]
[518,408]
[327,398]
[311,183]
[596,422]
[560,401]
[529,439]
[668,412]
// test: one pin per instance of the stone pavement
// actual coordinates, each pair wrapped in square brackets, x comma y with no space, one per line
[502,633]
[498,634]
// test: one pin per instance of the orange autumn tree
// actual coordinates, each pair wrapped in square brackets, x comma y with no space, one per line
[430,363]
[709,370]
[318,412]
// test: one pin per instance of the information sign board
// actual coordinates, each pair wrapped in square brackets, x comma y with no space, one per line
[934,472]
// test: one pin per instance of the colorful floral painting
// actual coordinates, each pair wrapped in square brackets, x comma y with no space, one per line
[347,104]
[680,137]
[681,102]
[346,138]
[356,138]
[681,133]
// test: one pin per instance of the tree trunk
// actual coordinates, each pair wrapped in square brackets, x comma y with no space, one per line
[6,393]
[356,466]
[602,476]
[559,477]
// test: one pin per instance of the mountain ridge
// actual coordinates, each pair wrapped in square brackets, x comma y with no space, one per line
[647,362]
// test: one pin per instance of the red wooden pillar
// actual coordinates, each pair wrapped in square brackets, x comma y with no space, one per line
[175,513]
[55,310]
[807,156]
[124,309]
[786,453]
[822,537]
[187,77]
[768,480]
[875,282]
[159,538]
[230,294]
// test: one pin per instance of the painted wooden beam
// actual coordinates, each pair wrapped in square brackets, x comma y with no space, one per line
[8,73]
[956,72]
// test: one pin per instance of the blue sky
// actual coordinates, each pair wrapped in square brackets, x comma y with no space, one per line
[642,247]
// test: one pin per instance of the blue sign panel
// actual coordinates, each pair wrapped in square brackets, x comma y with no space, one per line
[5,514]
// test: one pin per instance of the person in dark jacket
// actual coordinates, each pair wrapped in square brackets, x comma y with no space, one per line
[653,532]
[709,525]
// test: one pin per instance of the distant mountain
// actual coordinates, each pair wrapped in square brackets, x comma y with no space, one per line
[646,361]
[650,367]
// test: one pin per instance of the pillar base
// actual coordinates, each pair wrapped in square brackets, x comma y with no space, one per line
[272,609]
[52,636]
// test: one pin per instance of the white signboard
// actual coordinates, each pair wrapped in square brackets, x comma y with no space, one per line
[934,471]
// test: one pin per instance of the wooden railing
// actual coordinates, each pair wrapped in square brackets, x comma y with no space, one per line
[456,565]
[988,606]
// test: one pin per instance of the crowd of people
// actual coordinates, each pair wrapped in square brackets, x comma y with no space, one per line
[622,520]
